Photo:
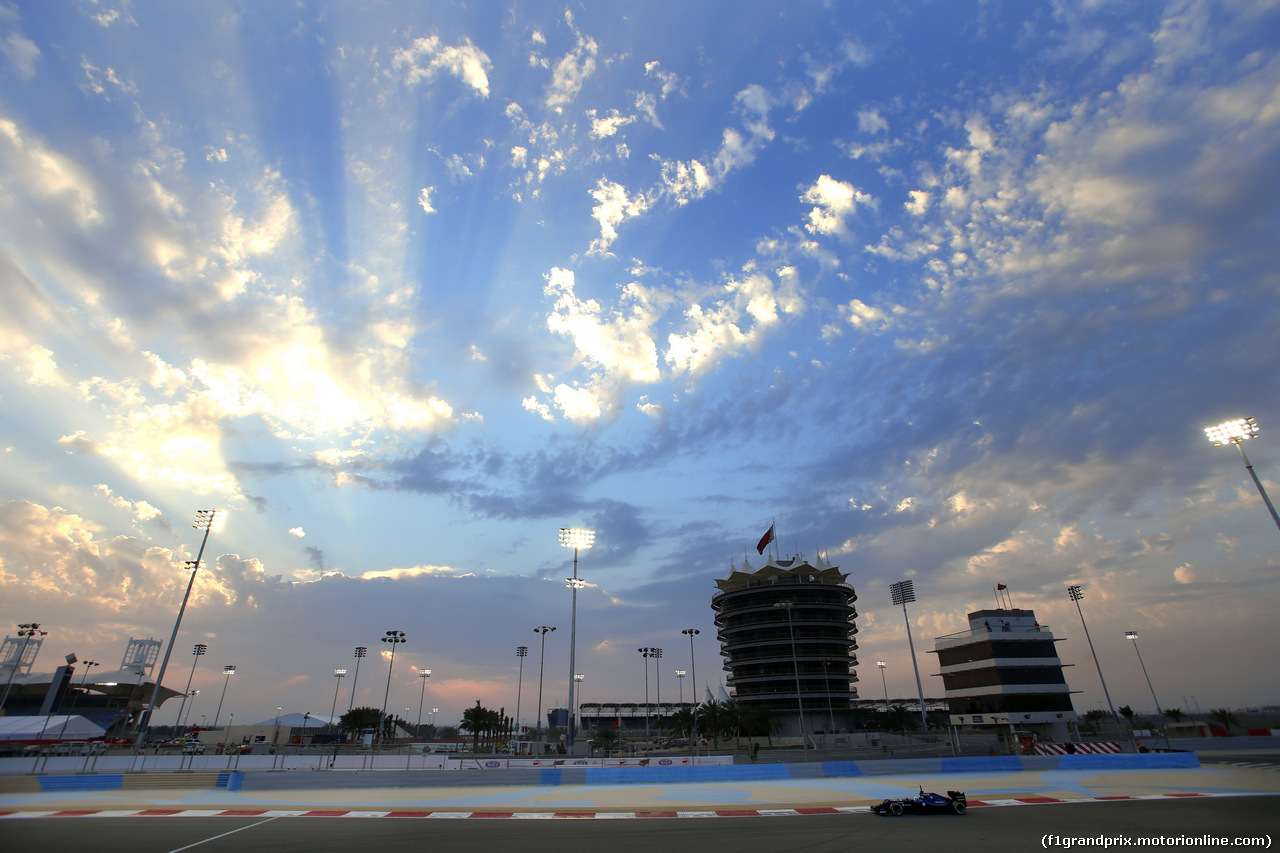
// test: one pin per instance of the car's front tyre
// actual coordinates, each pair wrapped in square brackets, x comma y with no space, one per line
[895,809]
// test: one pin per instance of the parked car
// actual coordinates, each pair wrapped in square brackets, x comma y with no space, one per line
[192,747]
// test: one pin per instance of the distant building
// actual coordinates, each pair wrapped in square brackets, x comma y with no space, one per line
[804,663]
[1004,672]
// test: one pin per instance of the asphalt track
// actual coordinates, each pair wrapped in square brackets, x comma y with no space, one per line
[1236,799]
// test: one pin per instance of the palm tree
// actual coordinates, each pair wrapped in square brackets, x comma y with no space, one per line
[736,718]
[1093,718]
[359,720]
[481,722]
[606,738]
[711,719]
[901,720]
[682,722]
[1127,713]
[1224,716]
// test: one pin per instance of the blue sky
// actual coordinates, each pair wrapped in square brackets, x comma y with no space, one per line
[946,290]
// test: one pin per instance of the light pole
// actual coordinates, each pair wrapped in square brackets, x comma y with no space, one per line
[392,638]
[200,649]
[521,653]
[657,681]
[884,684]
[693,665]
[795,663]
[542,662]
[646,653]
[904,592]
[361,651]
[1237,432]
[87,666]
[26,630]
[1076,592]
[577,678]
[338,675]
[205,520]
[193,694]
[1133,635]
[424,675]
[575,538]
[680,673]
[227,671]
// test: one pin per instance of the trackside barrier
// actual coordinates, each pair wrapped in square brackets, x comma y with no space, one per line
[1100,748]
[572,775]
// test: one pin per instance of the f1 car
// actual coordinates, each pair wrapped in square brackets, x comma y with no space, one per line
[927,803]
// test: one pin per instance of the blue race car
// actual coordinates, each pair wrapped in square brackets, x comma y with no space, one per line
[953,803]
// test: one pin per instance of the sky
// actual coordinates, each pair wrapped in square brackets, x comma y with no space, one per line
[946,291]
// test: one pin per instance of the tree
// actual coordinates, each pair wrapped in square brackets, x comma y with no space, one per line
[1127,713]
[357,721]
[1174,714]
[1225,717]
[388,728]
[482,723]
[606,738]
[682,722]
[901,720]
[711,720]
[1093,718]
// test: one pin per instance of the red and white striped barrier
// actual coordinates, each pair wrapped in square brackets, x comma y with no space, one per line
[1106,748]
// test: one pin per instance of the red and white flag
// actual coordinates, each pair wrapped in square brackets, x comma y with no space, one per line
[765,540]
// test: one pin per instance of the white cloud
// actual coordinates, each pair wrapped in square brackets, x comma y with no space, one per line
[572,71]
[424,200]
[613,207]
[297,531]
[870,121]
[427,56]
[835,201]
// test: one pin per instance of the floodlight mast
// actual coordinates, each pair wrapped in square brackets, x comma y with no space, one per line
[1237,432]
[575,538]
[904,592]
[206,520]
[1077,593]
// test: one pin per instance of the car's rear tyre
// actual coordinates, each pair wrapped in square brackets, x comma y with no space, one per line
[895,809]
[959,807]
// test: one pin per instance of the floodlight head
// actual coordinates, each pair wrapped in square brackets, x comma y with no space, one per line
[229,669]
[208,519]
[200,648]
[1075,592]
[361,651]
[692,632]
[881,664]
[1131,635]
[522,651]
[426,673]
[902,592]
[338,673]
[577,537]
[1232,432]
[574,583]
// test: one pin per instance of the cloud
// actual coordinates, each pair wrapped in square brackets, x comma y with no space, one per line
[424,200]
[834,202]
[427,56]
[297,531]
[22,53]
[572,70]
